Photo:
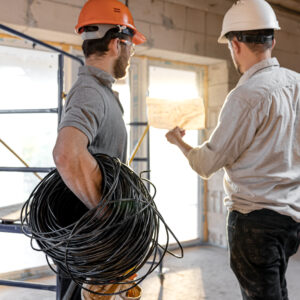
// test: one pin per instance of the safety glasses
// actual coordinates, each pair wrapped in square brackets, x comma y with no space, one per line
[129,44]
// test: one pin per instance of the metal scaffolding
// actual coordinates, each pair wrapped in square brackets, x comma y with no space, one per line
[11,226]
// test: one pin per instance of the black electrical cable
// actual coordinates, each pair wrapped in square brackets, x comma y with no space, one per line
[107,244]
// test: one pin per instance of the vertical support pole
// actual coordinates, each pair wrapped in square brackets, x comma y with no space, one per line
[205,94]
[143,111]
[205,185]
[60,81]
[139,88]
[148,155]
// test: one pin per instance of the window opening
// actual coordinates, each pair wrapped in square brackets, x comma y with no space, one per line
[177,194]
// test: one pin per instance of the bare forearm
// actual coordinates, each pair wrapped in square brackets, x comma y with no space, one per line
[184,147]
[83,177]
[77,167]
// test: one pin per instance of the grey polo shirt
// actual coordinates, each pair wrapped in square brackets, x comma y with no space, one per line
[93,108]
[257,142]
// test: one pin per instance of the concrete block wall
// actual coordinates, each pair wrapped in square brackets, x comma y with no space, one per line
[186,26]
[218,85]
[216,211]
[287,49]
[182,26]
[189,26]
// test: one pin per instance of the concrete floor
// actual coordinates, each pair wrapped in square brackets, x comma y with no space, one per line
[203,273]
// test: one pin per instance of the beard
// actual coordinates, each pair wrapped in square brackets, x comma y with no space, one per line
[121,65]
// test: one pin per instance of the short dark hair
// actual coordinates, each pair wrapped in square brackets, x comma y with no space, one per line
[100,46]
[257,41]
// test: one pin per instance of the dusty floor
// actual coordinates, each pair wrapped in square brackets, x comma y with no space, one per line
[203,274]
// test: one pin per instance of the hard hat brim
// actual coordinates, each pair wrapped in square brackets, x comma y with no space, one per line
[138,38]
[222,40]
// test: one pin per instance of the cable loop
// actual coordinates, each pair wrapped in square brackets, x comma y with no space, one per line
[107,244]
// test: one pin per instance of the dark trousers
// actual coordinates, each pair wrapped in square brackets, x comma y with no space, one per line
[67,289]
[260,244]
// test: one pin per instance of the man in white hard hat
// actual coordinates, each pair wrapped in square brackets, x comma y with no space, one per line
[257,143]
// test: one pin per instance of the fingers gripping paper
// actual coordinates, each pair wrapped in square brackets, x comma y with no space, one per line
[167,114]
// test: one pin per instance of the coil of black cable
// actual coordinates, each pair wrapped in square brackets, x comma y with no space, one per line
[104,245]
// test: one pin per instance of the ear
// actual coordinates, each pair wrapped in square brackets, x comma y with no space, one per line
[114,47]
[273,43]
[236,46]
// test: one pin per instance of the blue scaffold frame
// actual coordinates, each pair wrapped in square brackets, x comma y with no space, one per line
[11,226]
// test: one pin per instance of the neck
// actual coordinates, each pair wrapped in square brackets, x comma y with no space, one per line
[103,63]
[255,58]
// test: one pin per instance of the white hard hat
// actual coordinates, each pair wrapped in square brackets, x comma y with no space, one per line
[248,15]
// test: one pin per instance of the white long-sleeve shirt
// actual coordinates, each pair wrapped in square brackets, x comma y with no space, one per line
[257,142]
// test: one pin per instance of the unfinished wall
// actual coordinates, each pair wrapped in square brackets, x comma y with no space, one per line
[184,26]
[216,211]
[189,26]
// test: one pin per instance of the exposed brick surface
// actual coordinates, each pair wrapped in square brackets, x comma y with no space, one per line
[195,21]
[20,13]
[54,16]
[193,43]
[288,41]
[168,39]
[217,94]
[213,24]
[174,16]
[147,10]
[217,74]
[78,3]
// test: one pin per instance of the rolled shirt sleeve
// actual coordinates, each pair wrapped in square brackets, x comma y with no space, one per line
[237,125]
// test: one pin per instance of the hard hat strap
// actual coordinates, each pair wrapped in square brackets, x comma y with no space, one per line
[102,29]
[256,39]
[99,33]
[126,30]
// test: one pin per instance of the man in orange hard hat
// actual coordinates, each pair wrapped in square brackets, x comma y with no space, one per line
[92,120]
[257,143]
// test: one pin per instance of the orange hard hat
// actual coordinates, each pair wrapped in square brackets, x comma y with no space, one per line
[108,12]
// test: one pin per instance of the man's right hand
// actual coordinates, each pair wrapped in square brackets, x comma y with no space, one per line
[175,135]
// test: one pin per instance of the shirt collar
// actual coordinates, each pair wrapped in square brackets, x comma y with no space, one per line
[266,63]
[104,77]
